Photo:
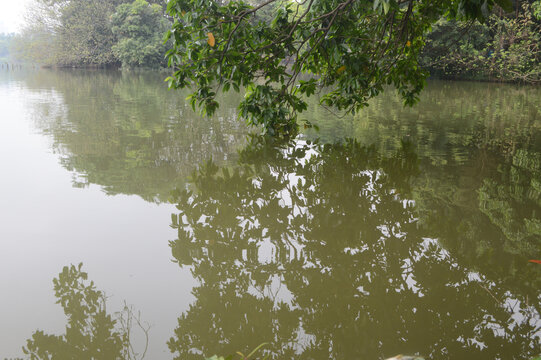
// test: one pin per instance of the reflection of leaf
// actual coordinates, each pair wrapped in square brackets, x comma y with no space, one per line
[255,350]
[535,261]
[216,357]
[211,41]
[303,219]
[90,329]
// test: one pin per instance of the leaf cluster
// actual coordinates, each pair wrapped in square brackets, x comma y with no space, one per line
[139,29]
[90,333]
[350,48]
[93,33]
[506,47]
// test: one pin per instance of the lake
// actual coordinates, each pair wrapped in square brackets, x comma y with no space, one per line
[392,231]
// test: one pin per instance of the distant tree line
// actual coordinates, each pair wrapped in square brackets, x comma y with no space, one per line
[100,33]
[129,33]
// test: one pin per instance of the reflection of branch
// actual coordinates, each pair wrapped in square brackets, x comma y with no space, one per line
[491,294]
[275,295]
[126,318]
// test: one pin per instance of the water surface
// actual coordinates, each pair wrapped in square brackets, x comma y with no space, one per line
[392,231]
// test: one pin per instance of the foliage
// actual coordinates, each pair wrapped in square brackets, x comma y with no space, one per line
[139,29]
[85,36]
[352,48]
[91,332]
[36,43]
[80,33]
[505,48]
[536,6]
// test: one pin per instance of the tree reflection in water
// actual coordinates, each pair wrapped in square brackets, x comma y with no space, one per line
[91,333]
[319,250]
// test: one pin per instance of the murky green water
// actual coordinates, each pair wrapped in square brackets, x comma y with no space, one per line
[411,236]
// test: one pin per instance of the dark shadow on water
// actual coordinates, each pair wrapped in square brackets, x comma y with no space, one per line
[327,252]
[91,332]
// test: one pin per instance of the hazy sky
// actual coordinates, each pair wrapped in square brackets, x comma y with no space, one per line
[11,14]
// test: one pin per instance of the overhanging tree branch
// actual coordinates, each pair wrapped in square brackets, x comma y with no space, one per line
[352,47]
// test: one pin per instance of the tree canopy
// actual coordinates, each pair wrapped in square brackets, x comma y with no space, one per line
[91,333]
[139,28]
[507,47]
[93,33]
[351,48]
